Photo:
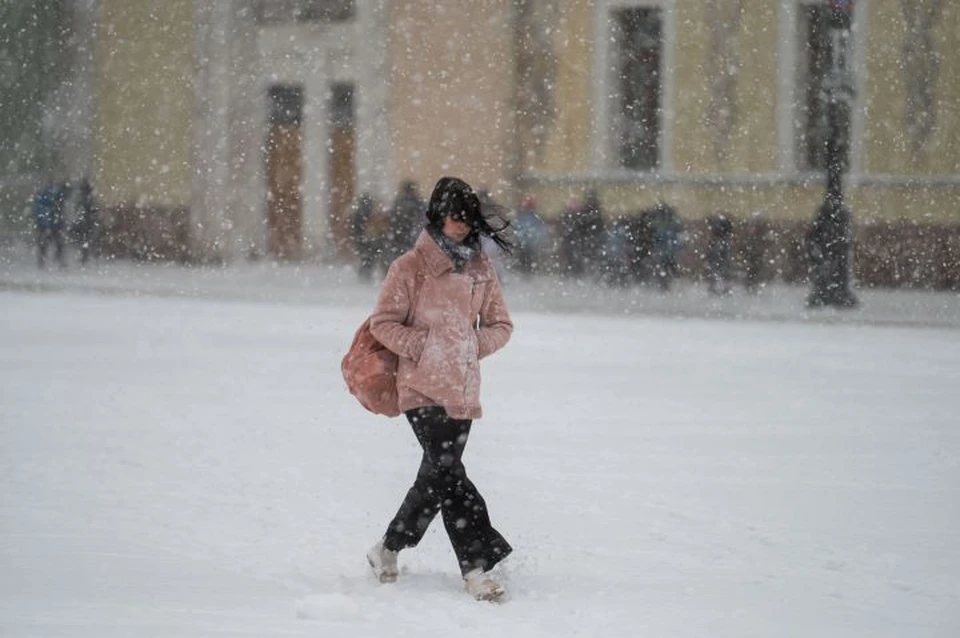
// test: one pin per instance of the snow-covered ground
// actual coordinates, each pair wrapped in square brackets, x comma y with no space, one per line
[178,457]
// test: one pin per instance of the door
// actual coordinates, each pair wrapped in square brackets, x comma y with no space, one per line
[285,173]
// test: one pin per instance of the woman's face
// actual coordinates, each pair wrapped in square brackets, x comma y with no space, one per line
[454,229]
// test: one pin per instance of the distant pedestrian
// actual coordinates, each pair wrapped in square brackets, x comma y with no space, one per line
[667,236]
[531,234]
[85,227]
[592,233]
[756,247]
[365,243]
[571,261]
[718,253]
[406,218]
[48,205]
[617,252]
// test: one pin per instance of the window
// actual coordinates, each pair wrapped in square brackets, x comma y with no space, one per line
[804,83]
[637,116]
[294,11]
[341,105]
[813,66]
[286,104]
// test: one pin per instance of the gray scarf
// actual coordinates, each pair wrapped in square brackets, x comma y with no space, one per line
[458,253]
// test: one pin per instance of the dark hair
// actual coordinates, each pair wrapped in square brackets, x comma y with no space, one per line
[453,197]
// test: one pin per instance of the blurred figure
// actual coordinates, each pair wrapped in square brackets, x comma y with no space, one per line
[48,212]
[583,236]
[618,253]
[366,241]
[641,246]
[718,254]
[756,246]
[530,232]
[85,228]
[406,219]
[570,263]
[592,233]
[667,239]
[378,233]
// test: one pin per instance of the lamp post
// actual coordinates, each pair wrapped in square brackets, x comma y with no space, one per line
[830,240]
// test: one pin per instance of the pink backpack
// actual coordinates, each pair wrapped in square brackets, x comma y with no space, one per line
[370,369]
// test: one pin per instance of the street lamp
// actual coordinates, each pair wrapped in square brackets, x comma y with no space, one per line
[830,240]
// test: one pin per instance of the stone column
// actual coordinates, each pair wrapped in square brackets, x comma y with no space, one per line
[211,98]
[228,191]
[247,123]
[374,170]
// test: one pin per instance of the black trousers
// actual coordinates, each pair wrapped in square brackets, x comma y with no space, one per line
[442,486]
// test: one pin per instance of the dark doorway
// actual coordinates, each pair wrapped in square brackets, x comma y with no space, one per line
[285,173]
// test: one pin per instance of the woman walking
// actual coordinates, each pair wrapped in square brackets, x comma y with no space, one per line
[441,310]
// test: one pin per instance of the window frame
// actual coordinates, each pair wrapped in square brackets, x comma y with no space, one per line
[605,155]
[788,68]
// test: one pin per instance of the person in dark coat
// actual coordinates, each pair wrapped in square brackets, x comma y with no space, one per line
[406,219]
[667,234]
[85,227]
[755,253]
[592,233]
[571,262]
[48,205]
[718,254]
[617,252]
[365,243]
[530,232]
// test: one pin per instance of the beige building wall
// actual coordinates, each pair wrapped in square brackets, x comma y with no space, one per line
[567,148]
[749,178]
[692,148]
[450,69]
[887,144]
[450,99]
[144,102]
[753,145]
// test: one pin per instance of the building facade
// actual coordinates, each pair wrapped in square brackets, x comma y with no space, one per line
[716,105]
[237,128]
[229,129]
[719,105]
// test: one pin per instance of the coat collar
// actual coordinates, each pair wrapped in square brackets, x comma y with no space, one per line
[435,259]
[438,262]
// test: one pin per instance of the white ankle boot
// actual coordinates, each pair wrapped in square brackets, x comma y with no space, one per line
[481,586]
[384,563]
